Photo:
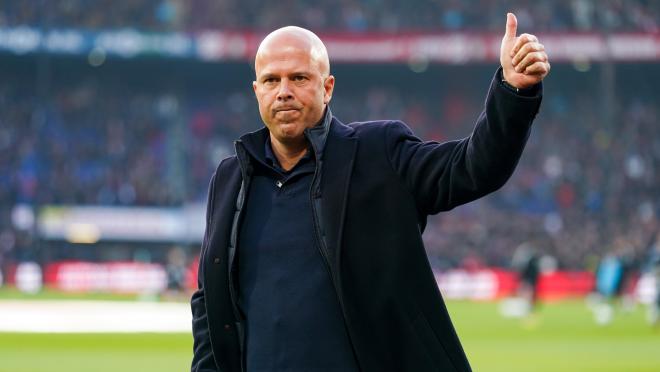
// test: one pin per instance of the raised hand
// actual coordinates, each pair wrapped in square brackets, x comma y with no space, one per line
[523,59]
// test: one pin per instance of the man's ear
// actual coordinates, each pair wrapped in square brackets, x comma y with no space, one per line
[329,87]
[254,86]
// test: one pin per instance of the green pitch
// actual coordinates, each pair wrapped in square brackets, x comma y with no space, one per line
[94,352]
[561,337]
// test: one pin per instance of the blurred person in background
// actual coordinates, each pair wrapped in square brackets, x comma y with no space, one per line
[609,285]
[526,262]
[629,274]
[175,268]
[653,267]
[313,258]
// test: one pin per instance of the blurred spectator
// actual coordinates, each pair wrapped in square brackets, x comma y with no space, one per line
[653,267]
[526,262]
[176,270]
[122,138]
[346,15]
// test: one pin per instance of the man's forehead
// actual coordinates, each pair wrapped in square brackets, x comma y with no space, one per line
[292,43]
[285,60]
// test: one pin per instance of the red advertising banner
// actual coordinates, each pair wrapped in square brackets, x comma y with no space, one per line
[494,283]
[118,277]
[448,48]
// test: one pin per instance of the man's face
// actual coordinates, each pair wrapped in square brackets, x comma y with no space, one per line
[292,91]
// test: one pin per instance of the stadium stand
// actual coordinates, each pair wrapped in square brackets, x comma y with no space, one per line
[91,142]
[149,131]
[347,15]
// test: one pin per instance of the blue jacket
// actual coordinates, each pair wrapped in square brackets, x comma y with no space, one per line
[374,186]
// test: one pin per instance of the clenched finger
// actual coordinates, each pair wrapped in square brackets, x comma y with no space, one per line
[522,40]
[538,68]
[527,48]
[530,59]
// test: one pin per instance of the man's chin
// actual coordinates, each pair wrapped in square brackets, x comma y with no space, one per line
[289,131]
[287,115]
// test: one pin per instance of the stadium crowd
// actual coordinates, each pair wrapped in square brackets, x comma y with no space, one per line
[583,187]
[346,15]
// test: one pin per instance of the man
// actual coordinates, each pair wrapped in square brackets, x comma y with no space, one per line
[653,269]
[312,258]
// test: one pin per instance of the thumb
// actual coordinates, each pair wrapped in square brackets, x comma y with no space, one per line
[511,26]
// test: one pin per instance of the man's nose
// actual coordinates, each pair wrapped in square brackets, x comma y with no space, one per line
[284,92]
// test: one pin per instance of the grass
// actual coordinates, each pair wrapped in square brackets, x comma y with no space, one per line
[10,293]
[94,352]
[561,337]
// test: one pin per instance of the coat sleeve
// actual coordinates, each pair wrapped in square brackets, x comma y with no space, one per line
[441,176]
[203,359]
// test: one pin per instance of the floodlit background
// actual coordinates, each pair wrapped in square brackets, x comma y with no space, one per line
[114,114]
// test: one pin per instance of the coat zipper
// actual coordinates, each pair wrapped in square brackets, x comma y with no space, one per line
[240,204]
[324,250]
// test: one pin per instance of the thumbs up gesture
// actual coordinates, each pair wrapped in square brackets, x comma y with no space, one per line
[523,59]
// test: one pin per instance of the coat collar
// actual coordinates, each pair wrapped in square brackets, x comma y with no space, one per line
[335,178]
[317,136]
[335,148]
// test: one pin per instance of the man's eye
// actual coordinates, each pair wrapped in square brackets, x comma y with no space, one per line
[298,78]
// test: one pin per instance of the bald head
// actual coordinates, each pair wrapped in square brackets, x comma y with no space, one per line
[293,39]
[293,86]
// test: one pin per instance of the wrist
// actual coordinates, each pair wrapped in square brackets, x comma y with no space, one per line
[524,92]
[509,86]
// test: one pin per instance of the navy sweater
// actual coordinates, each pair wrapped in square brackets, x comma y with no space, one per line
[293,319]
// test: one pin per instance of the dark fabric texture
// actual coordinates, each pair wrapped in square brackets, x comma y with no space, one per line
[377,184]
[293,321]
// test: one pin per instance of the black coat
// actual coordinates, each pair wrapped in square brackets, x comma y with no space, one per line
[378,183]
